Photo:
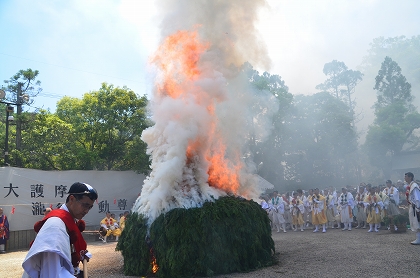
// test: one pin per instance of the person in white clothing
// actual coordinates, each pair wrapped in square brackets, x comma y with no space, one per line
[346,203]
[54,253]
[278,209]
[413,200]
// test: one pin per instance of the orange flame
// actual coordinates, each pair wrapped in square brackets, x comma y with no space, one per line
[153,263]
[178,59]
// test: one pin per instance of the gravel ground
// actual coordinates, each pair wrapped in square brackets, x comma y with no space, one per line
[336,253]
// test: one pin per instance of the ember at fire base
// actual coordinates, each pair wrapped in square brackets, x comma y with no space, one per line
[225,236]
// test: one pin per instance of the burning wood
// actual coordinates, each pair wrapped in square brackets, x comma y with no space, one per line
[154,264]
[152,256]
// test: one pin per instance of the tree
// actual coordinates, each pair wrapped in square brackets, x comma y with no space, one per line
[396,117]
[321,141]
[49,144]
[392,86]
[341,82]
[108,124]
[333,70]
[267,155]
[23,87]
[349,79]
[402,49]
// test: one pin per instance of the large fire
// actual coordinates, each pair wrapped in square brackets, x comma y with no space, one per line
[202,113]
[177,59]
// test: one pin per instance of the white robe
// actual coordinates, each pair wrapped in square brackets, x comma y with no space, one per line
[414,198]
[50,254]
[346,206]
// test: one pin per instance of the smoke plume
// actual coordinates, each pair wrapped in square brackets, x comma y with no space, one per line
[204,110]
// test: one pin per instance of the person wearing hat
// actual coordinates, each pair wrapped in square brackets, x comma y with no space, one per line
[59,245]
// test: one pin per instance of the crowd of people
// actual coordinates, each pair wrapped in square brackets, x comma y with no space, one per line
[364,207]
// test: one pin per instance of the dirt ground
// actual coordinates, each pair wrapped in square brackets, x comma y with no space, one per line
[336,253]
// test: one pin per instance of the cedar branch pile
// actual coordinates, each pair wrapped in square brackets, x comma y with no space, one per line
[229,235]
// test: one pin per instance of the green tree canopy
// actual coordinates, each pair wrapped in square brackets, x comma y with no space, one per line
[321,141]
[341,82]
[108,124]
[48,144]
[267,155]
[395,117]
[23,82]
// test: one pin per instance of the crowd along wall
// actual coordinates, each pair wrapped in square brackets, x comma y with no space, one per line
[24,193]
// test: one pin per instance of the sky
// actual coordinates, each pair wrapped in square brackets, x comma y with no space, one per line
[76,45]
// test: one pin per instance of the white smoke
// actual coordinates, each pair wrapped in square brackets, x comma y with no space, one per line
[215,113]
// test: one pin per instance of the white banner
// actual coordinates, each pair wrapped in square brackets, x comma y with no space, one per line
[24,193]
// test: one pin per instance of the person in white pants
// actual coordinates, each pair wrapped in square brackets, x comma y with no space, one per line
[413,199]
[346,202]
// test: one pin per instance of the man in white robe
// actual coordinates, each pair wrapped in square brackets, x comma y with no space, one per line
[413,200]
[51,253]
[346,202]
[277,209]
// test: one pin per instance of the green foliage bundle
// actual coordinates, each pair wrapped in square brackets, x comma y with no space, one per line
[133,246]
[228,235]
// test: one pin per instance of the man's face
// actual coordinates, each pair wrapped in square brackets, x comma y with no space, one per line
[388,184]
[79,208]
[1,211]
[407,179]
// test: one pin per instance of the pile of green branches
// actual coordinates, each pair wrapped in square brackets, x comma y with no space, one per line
[229,235]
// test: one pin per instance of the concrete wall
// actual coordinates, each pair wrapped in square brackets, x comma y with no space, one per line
[20,240]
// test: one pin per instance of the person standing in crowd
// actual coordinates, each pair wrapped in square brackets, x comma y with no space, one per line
[287,216]
[392,201]
[59,245]
[413,200]
[379,190]
[308,208]
[373,204]
[263,203]
[278,208]
[124,218]
[317,202]
[4,231]
[361,213]
[329,202]
[271,208]
[296,210]
[346,203]
[111,226]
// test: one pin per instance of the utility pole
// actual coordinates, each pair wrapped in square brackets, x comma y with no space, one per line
[6,143]
[19,101]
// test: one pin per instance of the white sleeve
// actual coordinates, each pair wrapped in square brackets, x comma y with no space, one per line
[396,196]
[53,266]
[49,255]
[416,195]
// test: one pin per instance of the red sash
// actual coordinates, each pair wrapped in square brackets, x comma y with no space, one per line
[77,243]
